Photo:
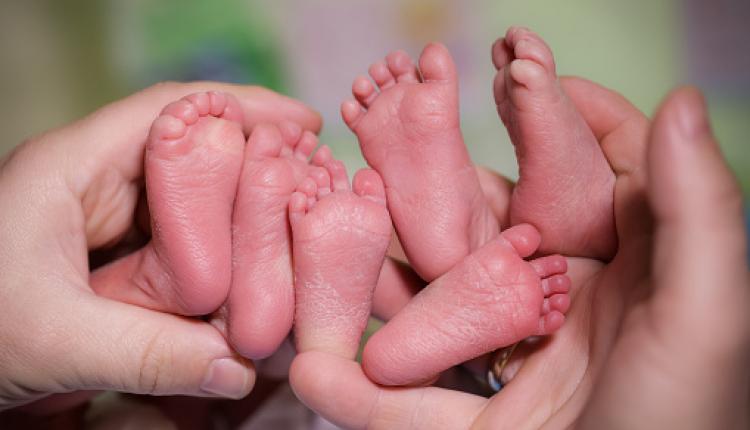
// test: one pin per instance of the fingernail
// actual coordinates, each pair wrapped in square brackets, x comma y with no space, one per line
[693,117]
[226,377]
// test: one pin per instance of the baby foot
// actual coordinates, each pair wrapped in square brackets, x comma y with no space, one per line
[192,164]
[340,240]
[491,299]
[260,307]
[566,186]
[409,133]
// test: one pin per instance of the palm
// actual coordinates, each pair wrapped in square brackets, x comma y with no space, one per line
[627,354]
[603,295]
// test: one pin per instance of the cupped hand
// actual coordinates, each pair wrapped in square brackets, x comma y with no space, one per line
[657,337]
[76,189]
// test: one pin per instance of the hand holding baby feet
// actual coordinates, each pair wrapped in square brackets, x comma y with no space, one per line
[565,186]
[409,133]
[192,165]
[491,299]
[340,237]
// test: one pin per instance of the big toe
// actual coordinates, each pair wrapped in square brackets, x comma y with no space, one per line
[682,142]
[527,45]
[524,238]
[265,141]
[524,58]
[436,63]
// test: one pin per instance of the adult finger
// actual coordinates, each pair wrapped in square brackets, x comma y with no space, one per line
[115,135]
[620,127]
[192,164]
[622,132]
[338,390]
[159,277]
[697,310]
[699,211]
[101,344]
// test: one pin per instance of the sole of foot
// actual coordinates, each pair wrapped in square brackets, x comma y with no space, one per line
[341,234]
[408,131]
[192,164]
[493,298]
[565,186]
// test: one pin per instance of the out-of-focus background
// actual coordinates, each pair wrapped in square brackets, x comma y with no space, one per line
[63,59]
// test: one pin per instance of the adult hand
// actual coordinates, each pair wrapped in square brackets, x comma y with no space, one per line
[75,189]
[657,337]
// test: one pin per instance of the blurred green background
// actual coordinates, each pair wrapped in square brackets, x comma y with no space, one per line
[63,59]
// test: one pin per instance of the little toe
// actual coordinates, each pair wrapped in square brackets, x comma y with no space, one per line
[364,91]
[556,302]
[559,303]
[550,323]
[550,265]
[436,64]
[367,183]
[322,156]
[183,110]
[305,145]
[402,67]
[264,141]
[339,178]
[351,112]
[557,284]
[382,76]
[524,238]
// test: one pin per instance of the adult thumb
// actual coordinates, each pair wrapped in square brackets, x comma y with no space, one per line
[106,345]
[681,357]
[699,308]
[701,248]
